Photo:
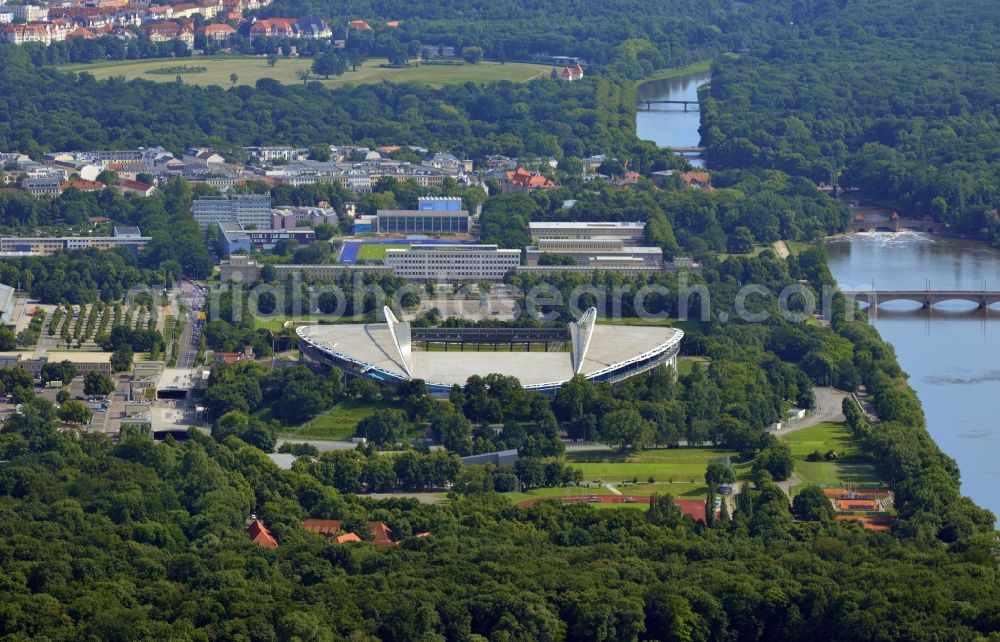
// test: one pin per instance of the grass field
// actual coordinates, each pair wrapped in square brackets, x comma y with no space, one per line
[851,465]
[685,365]
[250,69]
[277,323]
[678,471]
[666,74]
[376,252]
[338,423]
[560,491]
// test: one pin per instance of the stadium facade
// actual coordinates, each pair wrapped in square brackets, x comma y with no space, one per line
[391,353]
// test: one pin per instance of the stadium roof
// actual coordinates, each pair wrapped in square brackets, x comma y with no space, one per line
[386,349]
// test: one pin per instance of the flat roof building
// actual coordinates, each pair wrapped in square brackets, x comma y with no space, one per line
[44,246]
[440,203]
[452,262]
[626,231]
[423,221]
[595,251]
[246,209]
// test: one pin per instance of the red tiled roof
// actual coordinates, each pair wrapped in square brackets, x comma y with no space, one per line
[392,24]
[260,536]
[81,32]
[325,527]
[360,25]
[524,178]
[381,534]
[136,186]
[347,537]
[216,29]
[696,177]
[82,185]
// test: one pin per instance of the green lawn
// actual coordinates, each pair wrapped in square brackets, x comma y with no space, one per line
[277,323]
[685,365]
[339,422]
[375,252]
[852,465]
[250,69]
[696,68]
[678,471]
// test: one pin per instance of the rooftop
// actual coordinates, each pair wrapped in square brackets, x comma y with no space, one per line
[596,350]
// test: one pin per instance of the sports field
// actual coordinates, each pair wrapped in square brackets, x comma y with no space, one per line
[851,465]
[250,69]
[371,252]
[678,471]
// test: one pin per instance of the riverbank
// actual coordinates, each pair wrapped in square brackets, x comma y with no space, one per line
[699,67]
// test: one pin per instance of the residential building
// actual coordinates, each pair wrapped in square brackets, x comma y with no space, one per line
[312,28]
[359,25]
[259,534]
[85,362]
[135,187]
[28,12]
[247,210]
[453,262]
[274,27]
[39,32]
[292,217]
[521,180]
[216,32]
[6,17]
[422,222]
[44,187]
[697,180]
[572,73]
[273,153]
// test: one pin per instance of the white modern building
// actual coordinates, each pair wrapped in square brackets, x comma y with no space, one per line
[247,210]
[440,262]
[628,232]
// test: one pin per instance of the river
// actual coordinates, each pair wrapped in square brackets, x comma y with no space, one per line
[671,125]
[951,353]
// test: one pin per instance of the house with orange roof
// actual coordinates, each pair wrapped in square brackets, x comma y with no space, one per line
[521,180]
[216,32]
[274,27]
[82,185]
[169,30]
[135,187]
[697,180]
[347,537]
[572,73]
[392,24]
[81,32]
[382,535]
[259,534]
[359,25]
[328,528]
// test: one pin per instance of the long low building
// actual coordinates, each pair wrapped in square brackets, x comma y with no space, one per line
[44,246]
[84,361]
[389,352]
[626,231]
[452,262]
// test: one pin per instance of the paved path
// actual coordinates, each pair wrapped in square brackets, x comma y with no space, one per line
[322,445]
[828,409]
[614,491]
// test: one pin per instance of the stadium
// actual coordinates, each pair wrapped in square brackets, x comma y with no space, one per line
[542,359]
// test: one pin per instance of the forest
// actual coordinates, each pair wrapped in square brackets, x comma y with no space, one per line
[897,103]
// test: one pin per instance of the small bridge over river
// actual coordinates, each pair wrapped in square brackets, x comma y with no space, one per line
[689,105]
[926,298]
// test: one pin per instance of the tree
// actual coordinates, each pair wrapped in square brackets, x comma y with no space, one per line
[272,59]
[383,427]
[62,396]
[717,474]
[75,412]
[812,505]
[121,359]
[626,428]
[329,64]
[97,383]
[663,511]
[454,432]
[63,371]
[303,75]
[776,459]
[233,78]
[472,55]
[8,340]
